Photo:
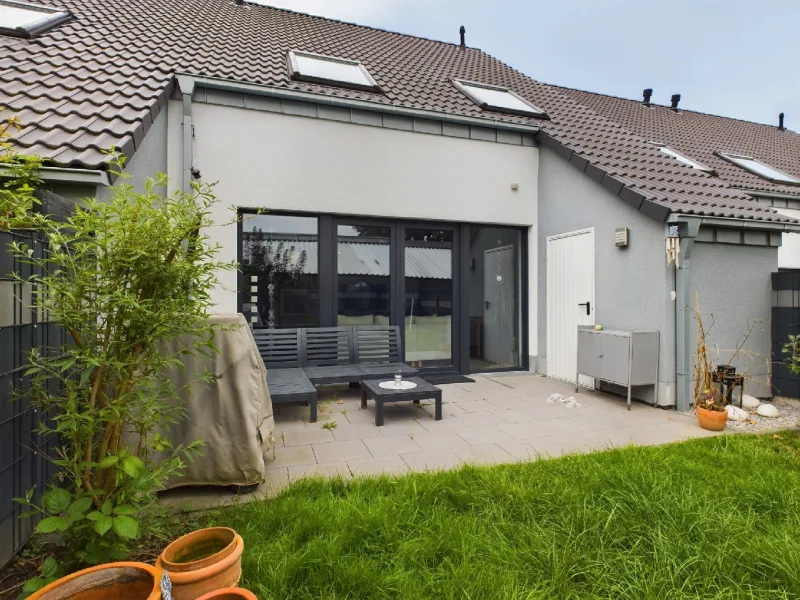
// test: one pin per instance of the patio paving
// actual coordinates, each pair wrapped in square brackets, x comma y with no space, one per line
[497,419]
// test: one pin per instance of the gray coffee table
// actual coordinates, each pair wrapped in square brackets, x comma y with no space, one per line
[370,389]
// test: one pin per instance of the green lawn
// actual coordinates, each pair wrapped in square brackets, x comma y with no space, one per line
[711,518]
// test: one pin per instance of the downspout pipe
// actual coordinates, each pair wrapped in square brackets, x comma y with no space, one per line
[186,86]
[683,315]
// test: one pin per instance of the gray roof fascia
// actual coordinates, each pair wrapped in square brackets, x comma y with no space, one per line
[65,175]
[735,223]
[768,194]
[274,92]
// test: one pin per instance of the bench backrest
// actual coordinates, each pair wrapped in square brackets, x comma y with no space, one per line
[327,346]
[280,348]
[377,344]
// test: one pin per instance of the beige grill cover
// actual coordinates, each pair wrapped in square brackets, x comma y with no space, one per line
[233,415]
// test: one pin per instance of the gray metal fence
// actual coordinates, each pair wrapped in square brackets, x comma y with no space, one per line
[785,322]
[22,449]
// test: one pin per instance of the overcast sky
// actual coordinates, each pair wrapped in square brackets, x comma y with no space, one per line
[738,58]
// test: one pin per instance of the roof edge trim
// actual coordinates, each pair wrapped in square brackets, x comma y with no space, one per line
[231,85]
[616,187]
[66,175]
[735,223]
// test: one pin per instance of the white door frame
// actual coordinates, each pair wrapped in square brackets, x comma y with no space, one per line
[589,382]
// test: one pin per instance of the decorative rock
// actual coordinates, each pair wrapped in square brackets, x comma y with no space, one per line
[767,410]
[750,402]
[736,414]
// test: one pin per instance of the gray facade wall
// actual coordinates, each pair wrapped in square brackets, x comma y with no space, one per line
[632,285]
[732,283]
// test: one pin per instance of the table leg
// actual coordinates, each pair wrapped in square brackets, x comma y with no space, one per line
[363,398]
[438,410]
[378,411]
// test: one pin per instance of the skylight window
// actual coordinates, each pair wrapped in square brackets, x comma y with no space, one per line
[759,168]
[21,19]
[329,70]
[683,159]
[499,99]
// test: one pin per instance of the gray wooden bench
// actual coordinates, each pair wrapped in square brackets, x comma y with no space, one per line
[297,360]
[282,353]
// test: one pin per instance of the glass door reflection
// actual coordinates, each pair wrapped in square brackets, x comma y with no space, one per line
[363,274]
[428,256]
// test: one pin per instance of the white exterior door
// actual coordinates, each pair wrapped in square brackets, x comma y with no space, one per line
[570,300]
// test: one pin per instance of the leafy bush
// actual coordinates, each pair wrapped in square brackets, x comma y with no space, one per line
[122,277]
[16,190]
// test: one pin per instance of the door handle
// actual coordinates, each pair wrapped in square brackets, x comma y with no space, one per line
[588,306]
[487,304]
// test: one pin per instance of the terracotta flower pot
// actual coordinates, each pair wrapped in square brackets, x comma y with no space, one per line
[198,549]
[713,420]
[114,581]
[219,570]
[229,594]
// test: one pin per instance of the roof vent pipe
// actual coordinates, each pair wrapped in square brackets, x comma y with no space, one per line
[238,2]
[462,30]
[675,99]
[647,94]
[780,123]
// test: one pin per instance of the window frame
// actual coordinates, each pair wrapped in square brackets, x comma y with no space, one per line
[734,160]
[463,86]
[296,74]
[52,17]
[665,149]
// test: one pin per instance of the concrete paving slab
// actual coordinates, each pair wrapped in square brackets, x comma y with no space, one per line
[348,431]
[290,456]
[332,452]
[431,460]
[339,469]
[484,454]
[393,445]
[380,465]
[482,435]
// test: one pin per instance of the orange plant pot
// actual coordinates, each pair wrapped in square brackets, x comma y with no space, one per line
[229,594]
[713,420]
[114,581]
[190,583]
[198,549]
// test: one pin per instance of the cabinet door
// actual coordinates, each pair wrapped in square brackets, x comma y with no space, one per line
[589,350]
[614,367]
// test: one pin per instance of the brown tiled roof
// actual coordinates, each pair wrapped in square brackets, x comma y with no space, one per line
[701,136]
[101,79]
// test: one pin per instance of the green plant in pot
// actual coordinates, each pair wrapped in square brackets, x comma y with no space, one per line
[121,277]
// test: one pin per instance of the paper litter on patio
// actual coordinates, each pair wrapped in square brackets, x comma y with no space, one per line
[559,399]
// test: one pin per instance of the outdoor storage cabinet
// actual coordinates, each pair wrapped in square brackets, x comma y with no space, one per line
[627,358]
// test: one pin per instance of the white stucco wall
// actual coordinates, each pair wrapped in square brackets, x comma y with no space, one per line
[789,251]
[280,162]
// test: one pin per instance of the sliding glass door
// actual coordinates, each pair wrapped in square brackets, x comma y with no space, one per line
[428,311]
[454,290]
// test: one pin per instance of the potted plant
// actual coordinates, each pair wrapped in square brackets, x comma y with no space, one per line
[203,561]
[229,594]
[708,400]
[128,580]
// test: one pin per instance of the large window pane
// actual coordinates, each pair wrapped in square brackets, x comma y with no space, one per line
[495,298]
[363,268]
[429,296]
[280,274]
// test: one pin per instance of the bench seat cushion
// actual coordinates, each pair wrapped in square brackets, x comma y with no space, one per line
[290,385]
[333,374]
[385,369]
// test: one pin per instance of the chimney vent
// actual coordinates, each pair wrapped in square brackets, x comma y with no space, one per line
[647,94]
[238,2]
[675,99]
[462,30]
[780,123]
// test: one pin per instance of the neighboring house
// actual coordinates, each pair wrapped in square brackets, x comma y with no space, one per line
[413,182]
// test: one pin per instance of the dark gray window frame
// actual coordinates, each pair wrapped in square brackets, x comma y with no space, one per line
[328,298]
[297,75]
[55,17]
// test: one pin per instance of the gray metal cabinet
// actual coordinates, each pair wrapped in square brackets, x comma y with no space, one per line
[618,356]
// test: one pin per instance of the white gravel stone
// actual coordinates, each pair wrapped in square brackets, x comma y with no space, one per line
[750,402]
[768,410]
[736,414]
